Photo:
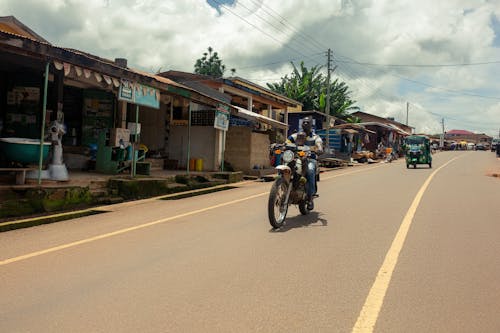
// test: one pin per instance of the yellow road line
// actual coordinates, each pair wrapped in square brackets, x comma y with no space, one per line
[375,299]
[122,231]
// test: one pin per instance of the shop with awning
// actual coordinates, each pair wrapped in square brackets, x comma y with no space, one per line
[384,135]
[257,118]
[102,103]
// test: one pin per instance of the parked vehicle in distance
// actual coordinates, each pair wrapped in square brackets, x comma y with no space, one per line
[480,146]
[471,146]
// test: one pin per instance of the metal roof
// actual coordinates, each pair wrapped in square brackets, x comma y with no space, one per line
[244,113]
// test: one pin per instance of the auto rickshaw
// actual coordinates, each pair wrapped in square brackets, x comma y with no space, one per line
[418,150]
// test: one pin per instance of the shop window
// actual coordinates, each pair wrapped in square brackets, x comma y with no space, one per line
[180,112]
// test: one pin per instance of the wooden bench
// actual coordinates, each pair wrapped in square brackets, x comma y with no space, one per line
[20,174]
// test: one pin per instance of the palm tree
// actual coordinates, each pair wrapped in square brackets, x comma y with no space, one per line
[308,86]
[303,85]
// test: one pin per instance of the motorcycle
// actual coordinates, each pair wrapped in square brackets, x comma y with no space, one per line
[289,188]
[390,155]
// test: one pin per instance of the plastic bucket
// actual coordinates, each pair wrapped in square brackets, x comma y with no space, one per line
[199,164]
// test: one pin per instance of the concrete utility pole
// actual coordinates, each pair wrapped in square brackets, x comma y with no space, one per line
[327,106]
[441,142]
[407,109]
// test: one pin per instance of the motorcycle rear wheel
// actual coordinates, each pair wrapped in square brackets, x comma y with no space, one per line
[303,207]
[276,207]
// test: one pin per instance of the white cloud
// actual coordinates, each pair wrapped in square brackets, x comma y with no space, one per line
[170,34]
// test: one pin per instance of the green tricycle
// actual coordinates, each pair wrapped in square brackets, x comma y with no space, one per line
[418,150]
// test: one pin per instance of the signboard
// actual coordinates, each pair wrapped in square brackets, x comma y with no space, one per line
[222,118]
[136,93]
[334,136]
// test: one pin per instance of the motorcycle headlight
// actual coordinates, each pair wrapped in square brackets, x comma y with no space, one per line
[287,156]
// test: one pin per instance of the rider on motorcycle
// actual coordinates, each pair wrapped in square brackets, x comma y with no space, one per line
[316,144]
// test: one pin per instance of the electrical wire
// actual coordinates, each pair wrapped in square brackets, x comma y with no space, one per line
[344,67]
[256,27]
[423,65]
[446,89]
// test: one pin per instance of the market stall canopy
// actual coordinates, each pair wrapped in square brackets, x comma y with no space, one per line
[390,127]
[350,127]
[249,115]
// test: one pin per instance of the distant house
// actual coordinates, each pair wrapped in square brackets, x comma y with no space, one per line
[464,135]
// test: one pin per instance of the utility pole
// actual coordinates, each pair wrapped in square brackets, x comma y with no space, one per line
[327,106]
[407,109]
[441,142]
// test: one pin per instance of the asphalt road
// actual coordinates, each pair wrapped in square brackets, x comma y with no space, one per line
[388,249]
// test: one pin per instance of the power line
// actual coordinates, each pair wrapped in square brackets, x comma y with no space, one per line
[283,21]
[280,62]
[344,65]
[422,65]
[256,27]
[445,89]
[439,115]
[293,37]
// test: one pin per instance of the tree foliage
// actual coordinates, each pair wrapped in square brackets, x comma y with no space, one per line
[309,86]
[210,64]
[354,119]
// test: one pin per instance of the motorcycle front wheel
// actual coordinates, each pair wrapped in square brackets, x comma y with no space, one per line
[276,206]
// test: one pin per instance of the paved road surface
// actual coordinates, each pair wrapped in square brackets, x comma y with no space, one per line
[388,250]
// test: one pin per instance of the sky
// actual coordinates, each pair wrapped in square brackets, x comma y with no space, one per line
[429,62]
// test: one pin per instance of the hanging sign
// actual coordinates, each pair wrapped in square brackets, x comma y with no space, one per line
[222,117]
[140,94]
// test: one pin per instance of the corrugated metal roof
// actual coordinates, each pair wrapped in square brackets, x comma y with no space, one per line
[256,87]
[107,62]
[244,113]
[14,26]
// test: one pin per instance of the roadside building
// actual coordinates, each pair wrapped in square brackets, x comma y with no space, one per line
[101,102]
[258,118]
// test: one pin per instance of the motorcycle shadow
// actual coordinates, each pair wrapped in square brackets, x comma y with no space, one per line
[302,221]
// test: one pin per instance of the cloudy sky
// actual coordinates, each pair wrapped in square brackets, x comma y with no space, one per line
[440,57]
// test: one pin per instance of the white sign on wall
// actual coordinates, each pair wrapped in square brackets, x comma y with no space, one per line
[222,118]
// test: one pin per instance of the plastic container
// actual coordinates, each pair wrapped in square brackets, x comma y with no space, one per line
[277,159]
[192,163]
[199,164]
